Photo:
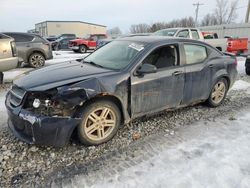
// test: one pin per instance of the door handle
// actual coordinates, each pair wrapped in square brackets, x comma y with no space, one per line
[211,66]
[177,73]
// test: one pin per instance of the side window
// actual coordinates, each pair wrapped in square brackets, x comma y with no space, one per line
[94,38]
[195,34]
[21,38]
[101,37]
[195,53]
[163,57]
[183,33]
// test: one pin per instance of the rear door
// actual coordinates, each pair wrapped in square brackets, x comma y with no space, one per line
[199,70]
[161,90]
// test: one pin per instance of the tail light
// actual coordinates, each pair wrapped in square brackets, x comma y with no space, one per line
[13,48]
[235,62]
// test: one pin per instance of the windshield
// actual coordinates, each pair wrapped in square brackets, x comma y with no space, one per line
[115,55]
[165,32]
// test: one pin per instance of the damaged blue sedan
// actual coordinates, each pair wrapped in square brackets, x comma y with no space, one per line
[126,79]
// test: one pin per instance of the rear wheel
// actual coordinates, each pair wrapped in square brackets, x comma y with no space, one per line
[248,71]
[82,49]
[100,122]
[36,60]
[1,78]
[218,93]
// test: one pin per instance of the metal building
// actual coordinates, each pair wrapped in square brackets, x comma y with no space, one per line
[234,30]
[79,28]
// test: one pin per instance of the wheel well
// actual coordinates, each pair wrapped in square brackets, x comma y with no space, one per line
[84,45]
[36,51]
[110,98]
[228,80]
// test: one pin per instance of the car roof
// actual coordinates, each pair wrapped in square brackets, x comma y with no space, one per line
[157,39]
[178,28]
[22,33]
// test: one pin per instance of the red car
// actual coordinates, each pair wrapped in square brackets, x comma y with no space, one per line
[88,43]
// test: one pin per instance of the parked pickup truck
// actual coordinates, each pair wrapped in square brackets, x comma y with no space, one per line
[87,43]
[8,54]
[224,44]
[234,45]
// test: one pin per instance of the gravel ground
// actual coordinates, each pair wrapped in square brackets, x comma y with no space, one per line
[22,165]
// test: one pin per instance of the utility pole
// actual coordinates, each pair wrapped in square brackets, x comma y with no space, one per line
[248,10]
[197,5]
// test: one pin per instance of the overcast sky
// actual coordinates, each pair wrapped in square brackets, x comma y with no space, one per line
[21,15]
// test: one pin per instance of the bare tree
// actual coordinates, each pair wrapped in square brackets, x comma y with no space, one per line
[232,15]
[140,28]
[225,11]
[209,20]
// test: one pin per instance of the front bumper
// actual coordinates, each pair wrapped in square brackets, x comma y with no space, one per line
[40,130]
[74,47]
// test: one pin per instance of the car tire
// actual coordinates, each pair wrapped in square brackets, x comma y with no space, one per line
[100,122]
[1,78]
[36,60]
[218,93]
[248,71]
[82,49]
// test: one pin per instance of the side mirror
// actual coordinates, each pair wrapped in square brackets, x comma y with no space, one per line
[146,69]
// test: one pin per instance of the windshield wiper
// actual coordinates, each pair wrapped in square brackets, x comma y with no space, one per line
[93,63]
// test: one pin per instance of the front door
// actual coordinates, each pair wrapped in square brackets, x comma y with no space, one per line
[161,90]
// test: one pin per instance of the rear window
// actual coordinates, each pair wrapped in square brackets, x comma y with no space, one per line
[195,53]
[20,37]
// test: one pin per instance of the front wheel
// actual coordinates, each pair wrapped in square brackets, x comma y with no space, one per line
[100,123]
[218,93]
[82,49]
[248,71]
[36,60]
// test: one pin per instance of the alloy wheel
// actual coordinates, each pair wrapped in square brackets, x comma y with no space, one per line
[36,60]
[219,92]
[100,123]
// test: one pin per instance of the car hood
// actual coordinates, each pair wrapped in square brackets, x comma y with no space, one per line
[58,75]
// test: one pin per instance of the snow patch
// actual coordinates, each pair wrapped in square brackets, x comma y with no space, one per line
[241,65]
[241,85]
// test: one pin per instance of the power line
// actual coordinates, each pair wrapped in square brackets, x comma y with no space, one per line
[197,5]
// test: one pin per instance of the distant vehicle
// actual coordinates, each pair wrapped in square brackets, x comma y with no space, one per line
[32,48]
[61,44]
[247,65]
[65,35]
[234,45]
[103,42]
[8,55]
[192,33]
[87,43]
[222,44]
[122,81]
